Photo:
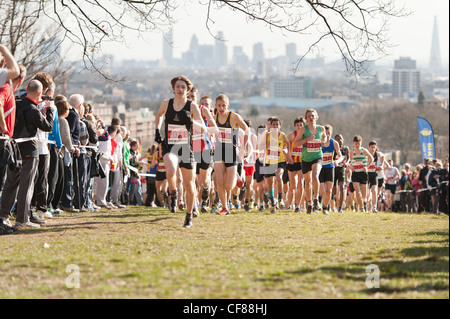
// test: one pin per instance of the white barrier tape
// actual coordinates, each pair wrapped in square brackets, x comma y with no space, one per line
[141,174]
[149,175]
[25,139]
[419,190]
[19,140]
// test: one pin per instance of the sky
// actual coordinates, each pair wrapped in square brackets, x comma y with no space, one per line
[411,35]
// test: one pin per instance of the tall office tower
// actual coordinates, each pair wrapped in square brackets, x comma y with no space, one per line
[291,52]
[435,54]
[405,78]
[258,54]
[168,47]
[221,53]
[259,61]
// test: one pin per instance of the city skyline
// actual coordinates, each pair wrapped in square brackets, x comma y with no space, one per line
[416,42]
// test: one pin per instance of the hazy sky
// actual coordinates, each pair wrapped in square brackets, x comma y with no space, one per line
[411,34]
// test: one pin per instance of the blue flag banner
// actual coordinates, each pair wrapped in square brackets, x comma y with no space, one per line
[426,139]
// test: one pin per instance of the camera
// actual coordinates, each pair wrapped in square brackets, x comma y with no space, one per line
[47,98]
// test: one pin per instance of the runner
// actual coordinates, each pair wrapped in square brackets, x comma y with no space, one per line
[202,147]
[340,169]
[326,177]
[177,147]
[225,152]
[295,170]
[160,179]
[373,169]
[249,168]
[259,163]
[238,191]
[360,158]
[277,152]
[392,178]
[311,137]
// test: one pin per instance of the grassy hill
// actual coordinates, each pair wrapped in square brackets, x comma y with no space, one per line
[146,253]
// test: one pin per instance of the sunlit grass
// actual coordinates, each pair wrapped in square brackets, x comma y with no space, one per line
[146,253]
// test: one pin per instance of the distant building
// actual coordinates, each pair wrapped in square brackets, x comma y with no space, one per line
[141,123]
[168,47]
[240,58]
[435,54]
[258,55]
[291,87]
[191,56]
[291,53]
[405,78]
[220,51]
[104,111]
[205,56]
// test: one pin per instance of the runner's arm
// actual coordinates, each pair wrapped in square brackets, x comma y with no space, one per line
[197,120]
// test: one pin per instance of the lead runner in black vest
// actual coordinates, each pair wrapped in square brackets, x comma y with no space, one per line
[177,146]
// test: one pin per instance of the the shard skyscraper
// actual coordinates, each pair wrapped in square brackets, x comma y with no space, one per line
[435,54]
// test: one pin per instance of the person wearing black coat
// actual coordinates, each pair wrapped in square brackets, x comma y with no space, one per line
[19,182]
[436,180]
[424,195]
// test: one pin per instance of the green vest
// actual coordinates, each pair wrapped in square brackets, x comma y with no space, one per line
[312,150]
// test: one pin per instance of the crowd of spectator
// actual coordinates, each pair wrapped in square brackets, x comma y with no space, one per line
[57,154]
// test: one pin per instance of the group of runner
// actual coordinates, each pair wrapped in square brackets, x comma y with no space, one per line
[210,156]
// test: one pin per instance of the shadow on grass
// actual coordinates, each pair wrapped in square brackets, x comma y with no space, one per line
[92,225]
[428,271]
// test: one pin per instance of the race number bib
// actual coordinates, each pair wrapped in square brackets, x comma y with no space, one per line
[225,135]
[297,151]
[358,166]
[314,146]
[177,134]
[327,158]
[372,168]
[261,156]
[161,167]
[273,153]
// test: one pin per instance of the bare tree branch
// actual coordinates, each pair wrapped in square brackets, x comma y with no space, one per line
[356,28]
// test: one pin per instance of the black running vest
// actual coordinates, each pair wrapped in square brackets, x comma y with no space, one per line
[177,126]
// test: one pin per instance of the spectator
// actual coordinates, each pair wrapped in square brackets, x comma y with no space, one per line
[74,128]
[424,196]
[89,121]
[392,177]
[410,198]
[9,70]
[135,190]
[117,172]
[7,119]
[443,204]
[56,168]
[403,191]
[435,178]
[104,145]
[150,180]
[80,176]
[416,187]
[126,165]
[20,182]
[40,193]
[64,155]
[407,169]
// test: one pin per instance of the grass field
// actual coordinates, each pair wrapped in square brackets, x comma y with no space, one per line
[146,253]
